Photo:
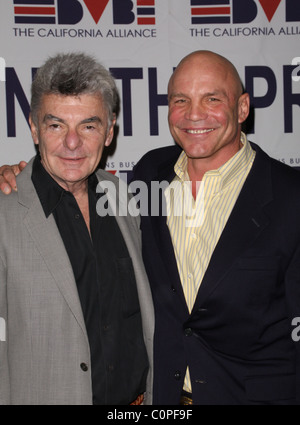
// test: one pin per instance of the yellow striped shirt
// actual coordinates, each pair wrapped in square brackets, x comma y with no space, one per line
[196,225]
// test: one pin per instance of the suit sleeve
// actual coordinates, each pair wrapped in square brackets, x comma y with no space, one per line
[293,301]
[4,371]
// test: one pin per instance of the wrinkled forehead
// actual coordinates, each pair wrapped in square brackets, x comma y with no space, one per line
[208,73]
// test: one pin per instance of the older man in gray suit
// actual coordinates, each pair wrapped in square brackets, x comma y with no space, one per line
[74,296]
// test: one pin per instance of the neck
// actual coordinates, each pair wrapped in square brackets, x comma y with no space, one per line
[80,192]
[197,167]
[83,204]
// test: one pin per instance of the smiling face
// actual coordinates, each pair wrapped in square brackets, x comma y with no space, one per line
[206,108]
[71,133]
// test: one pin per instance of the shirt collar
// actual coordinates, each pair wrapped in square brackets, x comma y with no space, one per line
[227,172]
[49,191]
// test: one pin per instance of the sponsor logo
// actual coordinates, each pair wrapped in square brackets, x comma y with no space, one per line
[235,18]
[123,170]
[210,12]
[71,12]
[240,12]
[32,11]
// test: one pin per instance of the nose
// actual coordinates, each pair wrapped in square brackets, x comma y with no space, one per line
[196,112]
[72,140]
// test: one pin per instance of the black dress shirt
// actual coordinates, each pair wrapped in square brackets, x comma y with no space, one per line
[101,266]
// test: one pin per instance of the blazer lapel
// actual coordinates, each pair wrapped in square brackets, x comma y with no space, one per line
[244,225]
[48,241]
[161,232]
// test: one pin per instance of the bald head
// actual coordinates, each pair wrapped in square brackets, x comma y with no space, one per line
[204,60]
[207,107]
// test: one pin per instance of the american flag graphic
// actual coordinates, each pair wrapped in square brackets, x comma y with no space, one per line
[146,12]
[34,11]
[211,11]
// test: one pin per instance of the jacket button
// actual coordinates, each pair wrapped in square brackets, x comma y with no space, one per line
[188,332]
[84,367]
[177,375]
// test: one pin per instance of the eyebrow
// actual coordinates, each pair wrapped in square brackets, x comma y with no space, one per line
[213,93]
[50,117]
[216,93]
[92,119]
[177,95]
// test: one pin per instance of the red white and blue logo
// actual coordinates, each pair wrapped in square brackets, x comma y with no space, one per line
[211,12]
[35,11]
[70,12]
[240,11]
[146,12]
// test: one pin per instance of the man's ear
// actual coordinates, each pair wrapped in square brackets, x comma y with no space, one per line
[110,134]
[34,131]
[243,107]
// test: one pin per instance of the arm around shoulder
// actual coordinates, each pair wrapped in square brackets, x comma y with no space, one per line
[4,364]
[8,175]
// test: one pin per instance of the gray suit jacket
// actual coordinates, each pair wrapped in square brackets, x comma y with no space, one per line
[44,345]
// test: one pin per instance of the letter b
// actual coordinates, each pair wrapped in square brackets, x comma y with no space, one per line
[122,11]
[292,11]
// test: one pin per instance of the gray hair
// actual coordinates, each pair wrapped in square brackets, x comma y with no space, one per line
[73,74]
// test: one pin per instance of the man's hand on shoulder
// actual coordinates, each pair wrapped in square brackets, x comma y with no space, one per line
[8,175]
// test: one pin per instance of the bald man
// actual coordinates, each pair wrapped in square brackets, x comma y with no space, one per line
[225,274]
[222,250]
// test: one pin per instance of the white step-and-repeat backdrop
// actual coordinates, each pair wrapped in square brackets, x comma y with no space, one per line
[141,41]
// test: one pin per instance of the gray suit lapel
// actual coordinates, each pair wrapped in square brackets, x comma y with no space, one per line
[48,241]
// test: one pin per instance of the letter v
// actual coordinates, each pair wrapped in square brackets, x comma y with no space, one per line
[270,7]
[96,8]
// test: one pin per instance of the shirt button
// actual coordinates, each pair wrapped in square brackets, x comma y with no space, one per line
[177,375]
[77,216]
[194,236]
[190,275]
[84,367]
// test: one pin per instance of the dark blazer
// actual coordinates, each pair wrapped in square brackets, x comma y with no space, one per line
[238,340]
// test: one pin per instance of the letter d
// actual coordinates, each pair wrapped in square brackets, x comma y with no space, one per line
[70,12]
[244,11]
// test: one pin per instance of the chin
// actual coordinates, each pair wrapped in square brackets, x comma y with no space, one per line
[197,153]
